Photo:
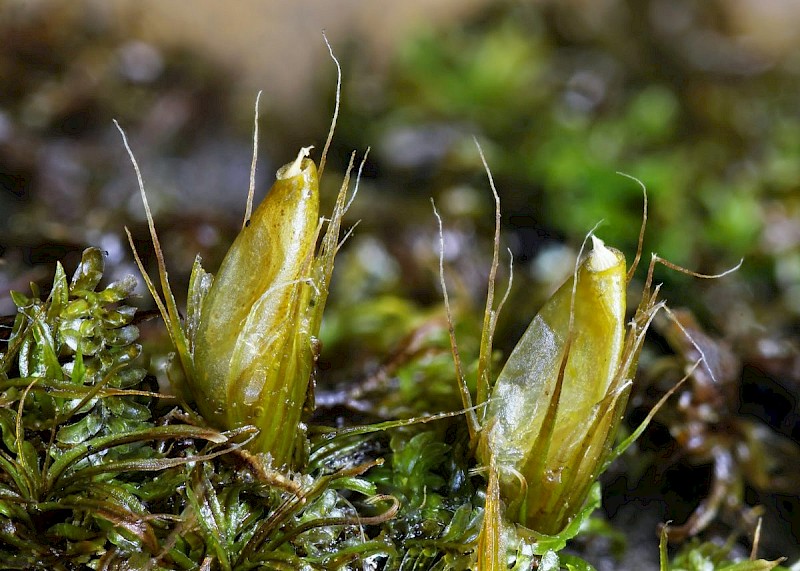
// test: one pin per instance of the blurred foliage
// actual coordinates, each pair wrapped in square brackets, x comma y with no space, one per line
[562,99]
[66,73]
[698,556]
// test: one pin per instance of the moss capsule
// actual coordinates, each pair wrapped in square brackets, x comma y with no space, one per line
[556,403]
[254,345]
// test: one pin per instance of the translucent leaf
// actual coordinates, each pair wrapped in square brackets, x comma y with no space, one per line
[122,336]
[25,358]
[78,369]
[129,377]
[71,532]
[125,353]
[359,485]
[119,317]
[458,524]
[59,295]
[119,290]
[8,427]
[77,308]
[27,456]
[45,355]
[549,562]
[19,299]
[200,284]
[90,270]
[80,431]
[70,331]
[127,408]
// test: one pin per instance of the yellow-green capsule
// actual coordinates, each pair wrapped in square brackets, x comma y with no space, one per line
[556,404]
[254,345]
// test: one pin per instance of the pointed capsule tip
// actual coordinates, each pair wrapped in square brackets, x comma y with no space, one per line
[295,168]
[601,258]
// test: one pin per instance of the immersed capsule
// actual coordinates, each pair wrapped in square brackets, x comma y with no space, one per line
[254,345]
[555,406]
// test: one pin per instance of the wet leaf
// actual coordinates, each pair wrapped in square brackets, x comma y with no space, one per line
[80,431]
[89,272]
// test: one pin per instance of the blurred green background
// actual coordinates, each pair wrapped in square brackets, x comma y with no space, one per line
[696,99]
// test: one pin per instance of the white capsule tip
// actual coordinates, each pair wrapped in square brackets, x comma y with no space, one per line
[296,167]
[601,258]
